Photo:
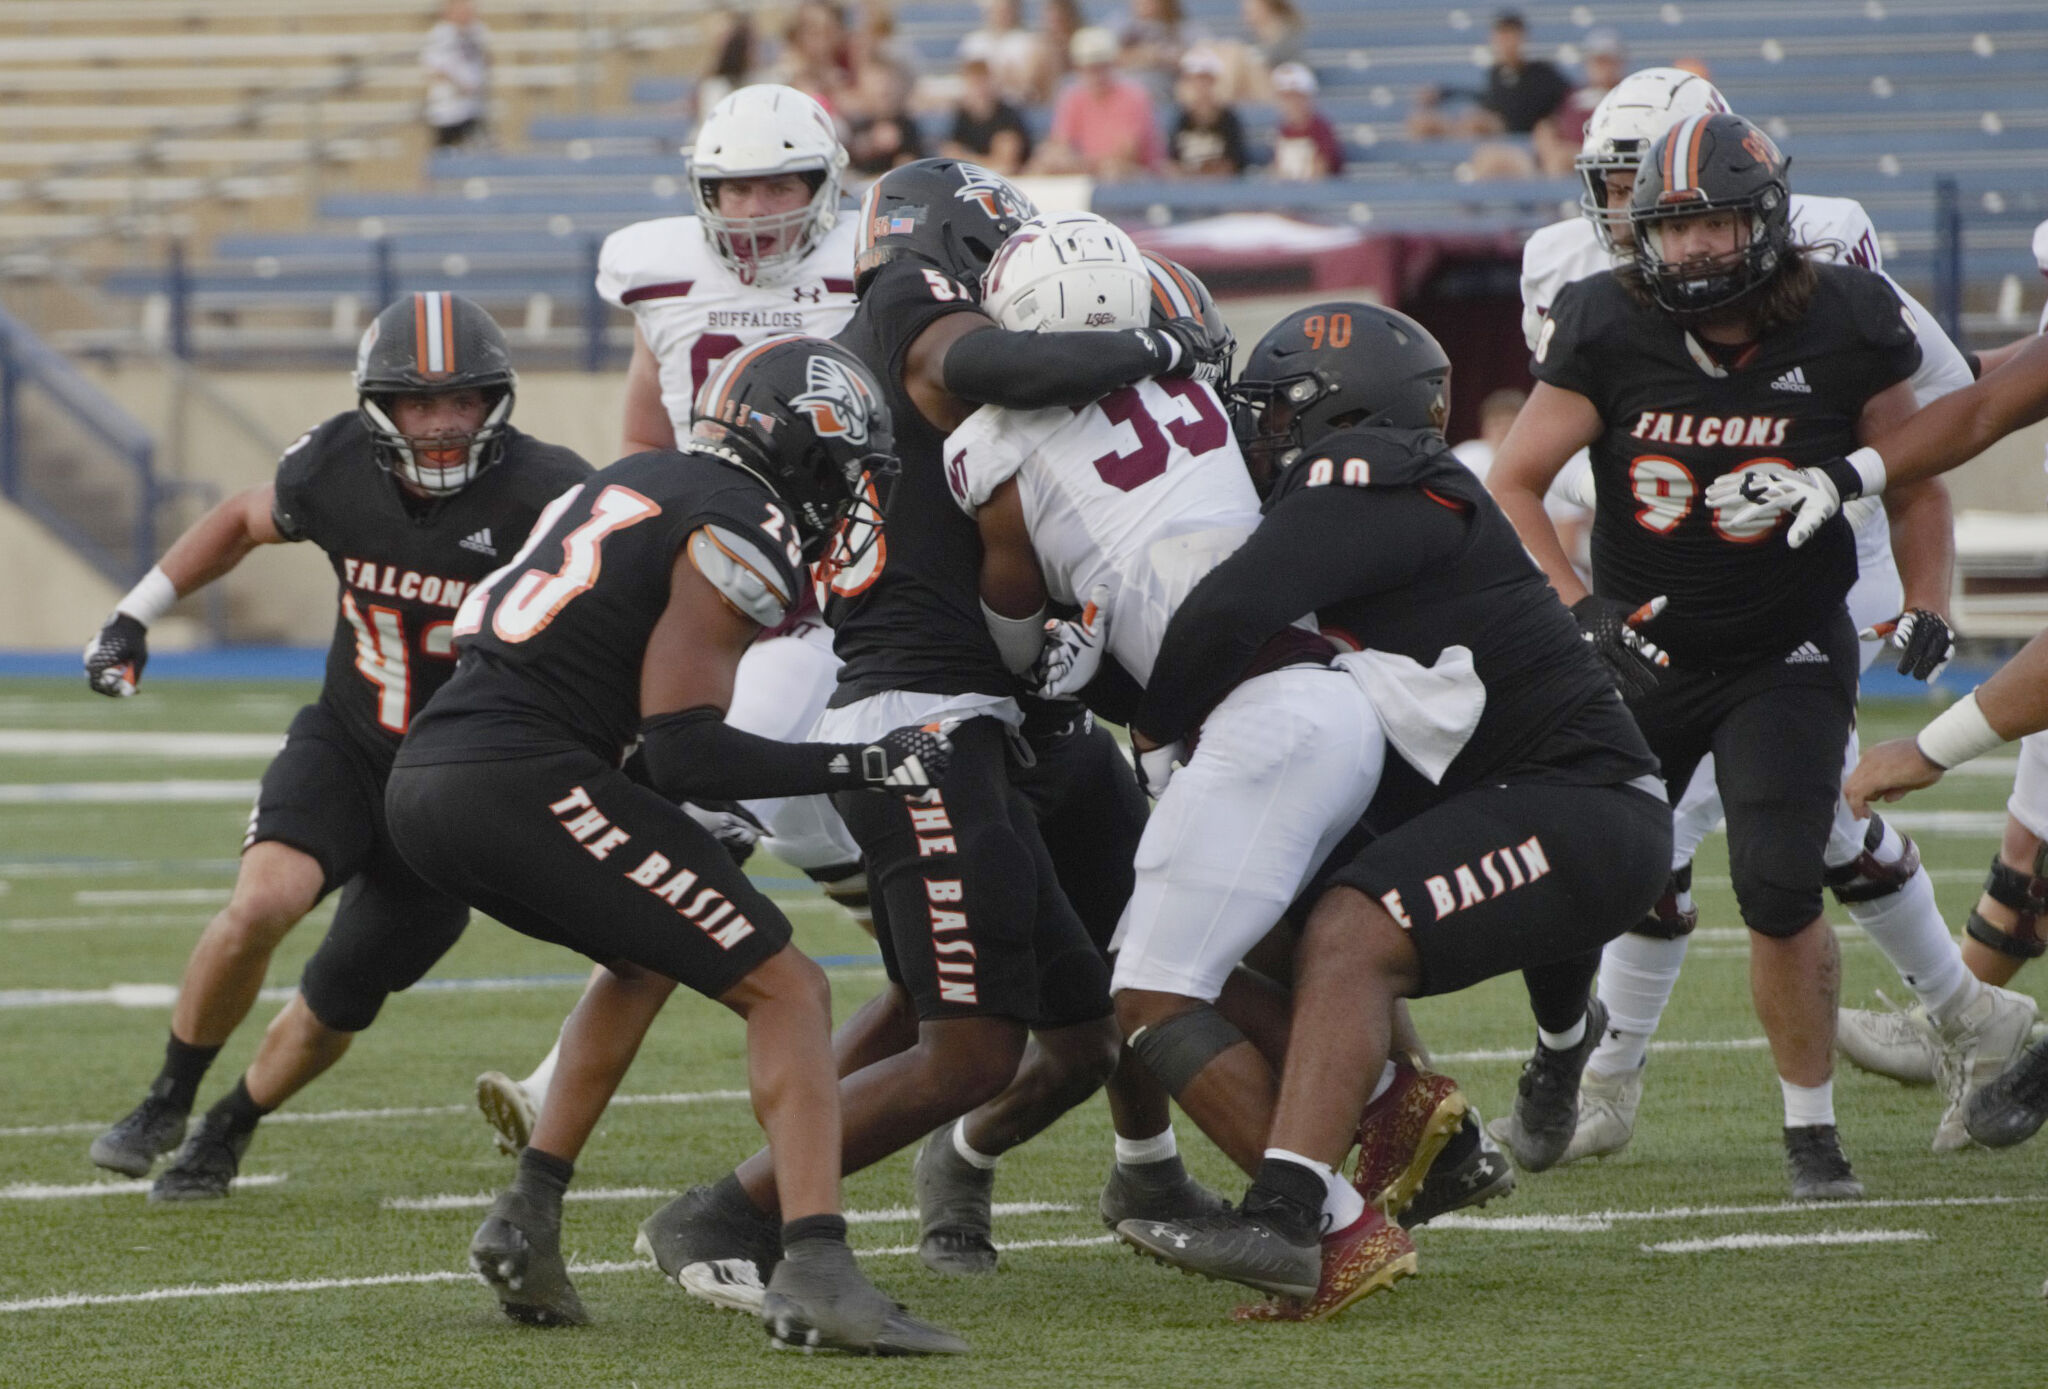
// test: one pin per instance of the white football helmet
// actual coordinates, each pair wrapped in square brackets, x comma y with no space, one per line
[761,130]
[1628,120]
[1062,271]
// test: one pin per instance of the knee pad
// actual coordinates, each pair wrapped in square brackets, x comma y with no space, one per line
[1177,1050]
[1668,920]
[2027,895]
[1863,878]
[847,884]
[343,999]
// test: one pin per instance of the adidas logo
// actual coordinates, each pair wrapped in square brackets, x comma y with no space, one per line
[480,542]
[1806,654]
[1794,381]
[839,765]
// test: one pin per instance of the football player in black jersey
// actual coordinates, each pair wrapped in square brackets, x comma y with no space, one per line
[1724,349]
[1519,826]
[982,944]
[623,619]
[415,496]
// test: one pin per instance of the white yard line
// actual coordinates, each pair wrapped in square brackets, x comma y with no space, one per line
[1460,1058]
[330,1116]
[176,791]
[458,1201]
[56,742]
[1759,1241]
[149,896]
[34,1191]
[1594,1222]
[139,921]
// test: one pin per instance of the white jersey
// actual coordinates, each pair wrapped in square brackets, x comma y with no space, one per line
[1838,228]
[693,310]
[1145,491]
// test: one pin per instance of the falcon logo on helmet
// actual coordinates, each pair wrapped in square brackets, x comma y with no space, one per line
[838,402]
[998,197]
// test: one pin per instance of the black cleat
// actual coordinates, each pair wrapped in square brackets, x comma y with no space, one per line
[955,1233]
[1470,1171]
[518,1251]
[1234,1246]
[1160,1190]
[714,1244]
[205,1167]
[1547,1098]
[818,1299]
[148,1131]
[2011,1108]
[1820,1169]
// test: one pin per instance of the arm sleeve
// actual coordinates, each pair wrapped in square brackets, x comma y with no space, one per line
[1318,546]
[1031,371]
[696,754]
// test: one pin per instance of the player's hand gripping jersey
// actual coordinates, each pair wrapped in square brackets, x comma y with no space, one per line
[404,566]
[1676,418]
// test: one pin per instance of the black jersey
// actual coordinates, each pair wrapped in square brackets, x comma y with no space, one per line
[405,565]
[1396,546]
[907,615]
[552,644]
[1676,418]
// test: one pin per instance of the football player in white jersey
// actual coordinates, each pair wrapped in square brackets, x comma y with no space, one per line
[766,253]
[1874,870]
[1125,505]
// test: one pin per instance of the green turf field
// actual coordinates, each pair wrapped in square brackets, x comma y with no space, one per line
[318,1273]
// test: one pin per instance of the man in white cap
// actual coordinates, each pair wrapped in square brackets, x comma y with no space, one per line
[1306,146]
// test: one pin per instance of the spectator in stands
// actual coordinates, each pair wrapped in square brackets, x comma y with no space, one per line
[735,57]
[1520,92]
[1014,55]
[1557,140]
[1103,123]
[1306,146]
[874,38]
[816,57]
[1152,41]
[1057,25]
[986,128]
[880,131]
[457,57]
[1277,35]
[1208,138]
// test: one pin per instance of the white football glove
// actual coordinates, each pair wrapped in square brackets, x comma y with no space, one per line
[1155,766]
[1807,494]
[1073,648]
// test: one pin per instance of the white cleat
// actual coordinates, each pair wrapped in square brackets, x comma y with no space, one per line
[508,1109]
[1891,1041]
[1985,1038]
[1607,1115]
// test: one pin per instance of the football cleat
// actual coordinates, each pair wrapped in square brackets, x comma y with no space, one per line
[1820,1169]
[955,1228]
[144,1134]
[518,1251]
[2011,1108]
[1987,1035]
[1400,1135]
[818,1299]
[714,1244]
[1234,1246]
[205,1167]
[1607,1115]
[1160,1190]
[1889,1041]
[508,1109]
[1470,1171]
[1547,1098]
[1369,1255]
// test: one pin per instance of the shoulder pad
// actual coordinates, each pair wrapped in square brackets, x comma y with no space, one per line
[662,251]
[1365,458]
[1838,227]
[989,448]
[1882,320]
[2041,247]
[741,571]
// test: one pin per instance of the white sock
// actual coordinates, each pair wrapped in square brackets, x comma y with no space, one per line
[1907,926]
[967,1153]
[1637,975]
[1342,1205]
[1387,1074]
[1807,1105]
[1565,1040]
[1130,1152]
[536,1085]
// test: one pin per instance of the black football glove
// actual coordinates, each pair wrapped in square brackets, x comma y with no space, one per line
[1609,627]
[907,761]
[1196,355]
[115,657]
[1924,639]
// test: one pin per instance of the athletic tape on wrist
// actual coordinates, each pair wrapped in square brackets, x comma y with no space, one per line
[150,599]
[1869,466]
[1958,734]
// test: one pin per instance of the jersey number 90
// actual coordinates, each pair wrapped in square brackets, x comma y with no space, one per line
[1665,491]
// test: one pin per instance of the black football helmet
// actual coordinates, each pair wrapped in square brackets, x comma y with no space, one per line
[1710,163]
[807,418]
[430,344]
[1178,293]
[947,213]
[1336,366]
